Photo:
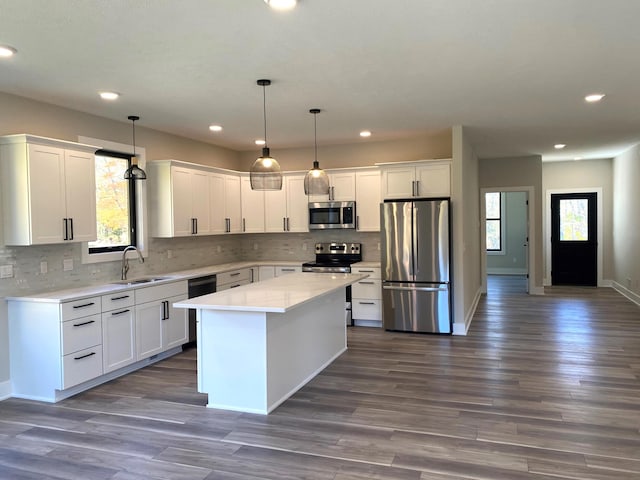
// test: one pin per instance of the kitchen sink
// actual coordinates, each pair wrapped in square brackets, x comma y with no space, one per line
[139,281]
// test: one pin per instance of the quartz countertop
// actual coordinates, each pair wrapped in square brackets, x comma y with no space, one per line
[73,294]
[366,264]
[278,295]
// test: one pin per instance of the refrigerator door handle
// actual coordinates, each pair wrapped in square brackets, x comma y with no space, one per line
[421,289]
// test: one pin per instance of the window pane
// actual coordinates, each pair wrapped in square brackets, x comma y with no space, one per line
[112,203]
[493,234]
[574,221]
[493,204]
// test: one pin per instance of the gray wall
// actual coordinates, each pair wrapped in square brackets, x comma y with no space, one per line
[513,260]
[626,223]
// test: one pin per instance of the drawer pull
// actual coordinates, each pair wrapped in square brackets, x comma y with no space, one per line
[287,269]
[366,303]
[120,312]
[365,271]
[83,323]
[366,283]
[84,305]
[236,285]
[113,299]
[234,274]
[84,356]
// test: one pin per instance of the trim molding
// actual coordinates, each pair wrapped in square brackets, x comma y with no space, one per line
[462,329]
[5,390]
[506,271]
[634,297]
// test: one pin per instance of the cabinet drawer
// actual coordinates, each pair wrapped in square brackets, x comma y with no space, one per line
[160,292]
[367,288]
[81,333]
[283,270]
[235,276]
[80,308]
[373,272]
[117,300]
[81,366]
[366,309]
[235,284]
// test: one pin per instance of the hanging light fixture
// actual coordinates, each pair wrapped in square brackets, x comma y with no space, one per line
[265,173]
[134,172]
[316,182]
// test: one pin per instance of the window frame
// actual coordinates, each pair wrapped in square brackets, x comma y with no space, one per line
[502,222]
[142,239]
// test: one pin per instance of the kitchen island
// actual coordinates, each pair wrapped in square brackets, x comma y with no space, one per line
[260,343]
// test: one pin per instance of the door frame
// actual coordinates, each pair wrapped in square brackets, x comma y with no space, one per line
[531,249]
[546,230]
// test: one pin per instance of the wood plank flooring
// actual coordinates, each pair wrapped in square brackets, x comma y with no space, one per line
[542,388]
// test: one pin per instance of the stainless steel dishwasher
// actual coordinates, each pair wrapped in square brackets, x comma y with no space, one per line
[196,288]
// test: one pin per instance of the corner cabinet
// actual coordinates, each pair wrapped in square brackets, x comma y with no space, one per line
[48,190]
[422,179]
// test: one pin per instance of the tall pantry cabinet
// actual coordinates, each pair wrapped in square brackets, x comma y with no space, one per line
[48,190]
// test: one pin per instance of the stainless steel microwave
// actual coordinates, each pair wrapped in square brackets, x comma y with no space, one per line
[324,215]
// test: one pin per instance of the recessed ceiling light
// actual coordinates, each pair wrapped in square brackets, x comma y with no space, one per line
[109,95]
[260,142]
[594,97]
[365,133]
[215,128]
[7,51]
[559,146]
[281,4]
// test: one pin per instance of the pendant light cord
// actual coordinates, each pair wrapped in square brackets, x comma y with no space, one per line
[315,136]
[264,112]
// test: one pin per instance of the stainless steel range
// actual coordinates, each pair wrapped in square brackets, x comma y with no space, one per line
[334,258]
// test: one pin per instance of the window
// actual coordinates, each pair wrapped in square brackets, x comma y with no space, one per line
[494,208]
[115,204]
[574,219]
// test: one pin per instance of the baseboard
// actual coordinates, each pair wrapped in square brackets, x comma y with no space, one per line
[463,328]
[5,390]
[506,271]
[536,291]
[634,297]
[606,283]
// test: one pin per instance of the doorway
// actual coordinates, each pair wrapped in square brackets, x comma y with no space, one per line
[574,244]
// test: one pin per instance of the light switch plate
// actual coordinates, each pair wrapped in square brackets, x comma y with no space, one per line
[44,268]
[67,264]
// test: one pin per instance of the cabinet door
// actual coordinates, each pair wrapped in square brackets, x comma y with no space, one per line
[433,180]
[266,272]
[118,339]
[175,329]
[297,204]
[217,201]
[233,212]
[181,197]
[368,201]
[252,207]
[275,210]
[397,182]
[47,194]
[343,186]
[149,329]
[80,194]
[200,202]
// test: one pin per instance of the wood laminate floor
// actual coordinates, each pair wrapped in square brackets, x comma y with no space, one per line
[542,388]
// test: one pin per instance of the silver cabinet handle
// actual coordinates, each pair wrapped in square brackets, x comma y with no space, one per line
[287,269]
[71,228]
[364,271]
[236,285]
[234,274]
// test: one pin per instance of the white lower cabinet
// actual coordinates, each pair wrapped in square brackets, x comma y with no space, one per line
[266,272]
[366,297]
[233,279]
[284,270]
[118,331]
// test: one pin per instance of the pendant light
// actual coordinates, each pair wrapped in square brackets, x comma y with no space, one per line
[134,172]
[265,172]
[316,181]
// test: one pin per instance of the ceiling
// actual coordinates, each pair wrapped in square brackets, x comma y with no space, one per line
[513,72]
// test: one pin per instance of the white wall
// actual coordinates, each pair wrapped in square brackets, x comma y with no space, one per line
[512,259]
[626,223]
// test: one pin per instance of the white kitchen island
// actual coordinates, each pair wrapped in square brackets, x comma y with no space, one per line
[259,343]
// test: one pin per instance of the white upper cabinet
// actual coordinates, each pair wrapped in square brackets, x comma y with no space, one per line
[225,203]
[179,200]
[287,210]
[368,200]
[48,190]
[253,216]
[342,188]
[419,179]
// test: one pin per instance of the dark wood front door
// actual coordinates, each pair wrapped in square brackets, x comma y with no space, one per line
[574,245]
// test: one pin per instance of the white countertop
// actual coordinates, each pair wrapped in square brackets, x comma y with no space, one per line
[278,295]
[367,264]
[74,294]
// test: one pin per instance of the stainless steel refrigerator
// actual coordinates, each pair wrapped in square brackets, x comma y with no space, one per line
[416,278]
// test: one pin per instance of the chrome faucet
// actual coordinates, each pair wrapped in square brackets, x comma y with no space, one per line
[125,260]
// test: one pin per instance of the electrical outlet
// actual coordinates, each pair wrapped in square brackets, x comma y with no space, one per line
[6,271]
[169,253]
[67,264]
[378,246]
[304,246]
[44,267]
[255,246]
[218,249]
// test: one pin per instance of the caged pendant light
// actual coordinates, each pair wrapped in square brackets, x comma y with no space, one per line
[134,172]
[316,181]
[265,173]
